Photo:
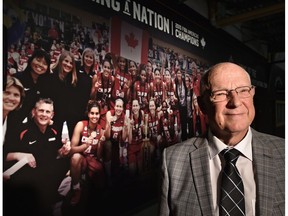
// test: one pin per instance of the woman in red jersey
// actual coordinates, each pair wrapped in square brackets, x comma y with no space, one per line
[87,151]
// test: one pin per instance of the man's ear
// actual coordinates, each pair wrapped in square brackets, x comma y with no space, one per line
[201,103]
[33,112]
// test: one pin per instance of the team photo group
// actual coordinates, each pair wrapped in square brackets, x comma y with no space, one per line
[86,114]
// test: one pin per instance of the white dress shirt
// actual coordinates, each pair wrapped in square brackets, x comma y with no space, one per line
[244,165]
[4,129]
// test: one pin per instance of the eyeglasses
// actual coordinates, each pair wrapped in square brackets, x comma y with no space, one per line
[222,95]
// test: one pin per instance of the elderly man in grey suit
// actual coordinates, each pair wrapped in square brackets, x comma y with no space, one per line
[192,170]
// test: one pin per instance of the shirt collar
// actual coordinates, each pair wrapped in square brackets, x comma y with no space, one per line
[244,146]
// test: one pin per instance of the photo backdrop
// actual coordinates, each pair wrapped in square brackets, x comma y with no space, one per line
[140,31]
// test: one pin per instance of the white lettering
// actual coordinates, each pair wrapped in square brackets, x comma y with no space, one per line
[144,16]
[155,20]
[160,22]
[136,11]
[150,12]
[85,139]
[126,8]
[117,129]
[115,5]
[151,18]
[186,37]
[108,3]
[40,20]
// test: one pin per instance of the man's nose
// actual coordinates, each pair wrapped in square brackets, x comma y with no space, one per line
[234,99]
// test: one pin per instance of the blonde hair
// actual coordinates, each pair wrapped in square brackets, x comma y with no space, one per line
[12,81]
[59,67]
[88,50]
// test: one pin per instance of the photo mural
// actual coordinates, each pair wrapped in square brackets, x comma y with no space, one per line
[142,69]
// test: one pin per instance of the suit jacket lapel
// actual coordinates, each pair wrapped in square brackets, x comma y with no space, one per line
[265,180]
[201,175]
[263,168]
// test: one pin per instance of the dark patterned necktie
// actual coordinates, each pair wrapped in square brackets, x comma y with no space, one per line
[232,200]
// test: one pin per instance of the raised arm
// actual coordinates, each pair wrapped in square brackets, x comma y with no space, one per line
[107,132]
[95,86]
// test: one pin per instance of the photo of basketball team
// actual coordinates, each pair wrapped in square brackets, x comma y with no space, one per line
[109,117]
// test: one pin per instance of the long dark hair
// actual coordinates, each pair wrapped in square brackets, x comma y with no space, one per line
[177,83]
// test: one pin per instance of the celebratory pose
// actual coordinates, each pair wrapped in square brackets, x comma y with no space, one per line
[122,80]
[141,91]
[149,70]
[169,126]
[102,87]
[170,88]
[136,136]
[154,129]
[157,90]
[116,135]
[87,151]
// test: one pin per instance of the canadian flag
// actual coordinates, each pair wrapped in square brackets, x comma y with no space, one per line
[129,41]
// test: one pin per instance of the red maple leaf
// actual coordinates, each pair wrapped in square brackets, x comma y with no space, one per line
[131,41]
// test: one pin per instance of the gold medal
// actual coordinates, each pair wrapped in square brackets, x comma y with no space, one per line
[93,134]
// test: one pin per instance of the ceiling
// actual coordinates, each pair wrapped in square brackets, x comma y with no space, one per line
[260,24]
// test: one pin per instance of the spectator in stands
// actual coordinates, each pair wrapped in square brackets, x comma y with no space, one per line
[23,60]
[53,33]
[13,59]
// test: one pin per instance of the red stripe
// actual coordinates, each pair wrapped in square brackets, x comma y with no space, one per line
[22,134]
[144,51]
[115,35]
[54,131]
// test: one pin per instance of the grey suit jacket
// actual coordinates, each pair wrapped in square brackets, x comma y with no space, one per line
[185,176]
